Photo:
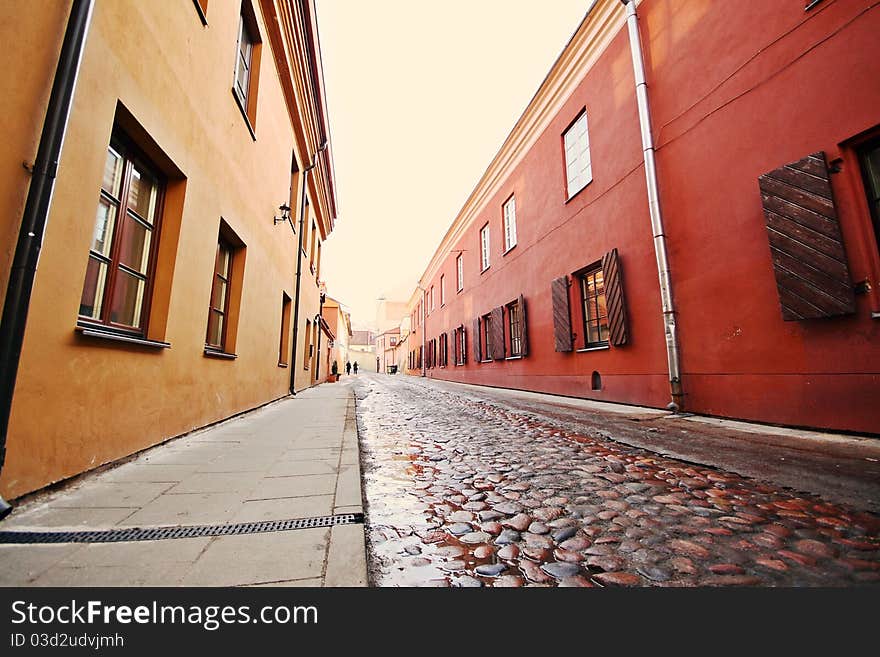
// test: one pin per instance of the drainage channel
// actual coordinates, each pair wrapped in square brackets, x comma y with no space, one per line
[163,533]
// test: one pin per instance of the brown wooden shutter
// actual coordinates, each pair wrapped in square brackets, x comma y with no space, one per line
[524,335]
[561,314]
[497,326]
[806,246]
[614,300]
[478,355]
[451,338]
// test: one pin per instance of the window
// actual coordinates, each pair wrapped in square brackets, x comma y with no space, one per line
[432,298]
[459,269]
[595,312]
[578,168]
[869,155]
[442,290]
[509,224]
[514,324]
[312,248]
[247,65]
[284,342]
[484,247]
[218,309]
[486,326]
[121,264]
[444,350]
[307,353]
[460,345]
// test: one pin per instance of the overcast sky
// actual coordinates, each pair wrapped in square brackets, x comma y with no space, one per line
[421,95]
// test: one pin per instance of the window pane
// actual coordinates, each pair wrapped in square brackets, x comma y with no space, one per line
[872,167]
[112,173]
[221,264]
[128,298]
[142,193]
[103,237]
[215,329]
[93,290]
[134,247]
[218,294]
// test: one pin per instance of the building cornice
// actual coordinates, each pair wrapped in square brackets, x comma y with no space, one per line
[602,22]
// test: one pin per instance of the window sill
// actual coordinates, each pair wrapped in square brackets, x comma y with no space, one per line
[105,334]
[602,347]
[201,13]
[875,315]
[490,360]
[513,358]
[812,4]
[216,353]
[244,115]
[508,250]
[282,365]
[485,269]
[459,290]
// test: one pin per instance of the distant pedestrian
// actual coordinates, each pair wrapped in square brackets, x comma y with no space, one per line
[348,367]
[355,368]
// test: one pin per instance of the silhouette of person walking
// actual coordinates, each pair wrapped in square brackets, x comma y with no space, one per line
[348,367]
[355,367]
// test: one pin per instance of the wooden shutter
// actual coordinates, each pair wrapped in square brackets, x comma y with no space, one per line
[524,336]
[614,301]
[806,245]
[561,314]
[478,355]
[497,326]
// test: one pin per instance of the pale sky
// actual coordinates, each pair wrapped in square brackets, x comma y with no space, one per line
[421,95]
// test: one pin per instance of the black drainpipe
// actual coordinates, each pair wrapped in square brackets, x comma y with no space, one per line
[299,252]
[36,213]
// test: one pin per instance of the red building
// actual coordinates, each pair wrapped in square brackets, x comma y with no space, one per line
[763,119]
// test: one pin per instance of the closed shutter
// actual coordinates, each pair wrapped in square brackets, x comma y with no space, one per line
[524,336]
[451,339]
[478,355]
[561,314]
[496,325]
[806,245]
[614,300]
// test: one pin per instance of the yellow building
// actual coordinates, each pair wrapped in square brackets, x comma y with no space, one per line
[339,321]
[195,164]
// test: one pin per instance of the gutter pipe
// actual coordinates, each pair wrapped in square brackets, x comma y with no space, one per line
[673,355]
[36,213]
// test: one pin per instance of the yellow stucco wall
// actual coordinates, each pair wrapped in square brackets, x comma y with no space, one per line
[81,402]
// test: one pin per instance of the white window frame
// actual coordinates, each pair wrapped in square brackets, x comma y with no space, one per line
[432,298]
[459,270]
[509,212]
[484,248]
[578,165]
[442,290]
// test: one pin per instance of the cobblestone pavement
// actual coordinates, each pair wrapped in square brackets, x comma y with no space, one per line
[464,491]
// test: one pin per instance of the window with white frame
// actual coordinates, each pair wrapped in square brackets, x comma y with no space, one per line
[459,269]
[578,168]
[432,298]
[484,248]
[510,224]
[442,290]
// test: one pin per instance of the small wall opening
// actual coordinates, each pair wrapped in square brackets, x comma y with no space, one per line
[596,381]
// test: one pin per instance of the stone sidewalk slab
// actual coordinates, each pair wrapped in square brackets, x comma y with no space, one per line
[294,458]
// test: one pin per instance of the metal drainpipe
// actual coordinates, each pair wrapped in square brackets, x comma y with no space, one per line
[672,349]
[36,214]
[424,329]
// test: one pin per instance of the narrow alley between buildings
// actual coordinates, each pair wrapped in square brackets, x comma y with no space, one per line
[468,486]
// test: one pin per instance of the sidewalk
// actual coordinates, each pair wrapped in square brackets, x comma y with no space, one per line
[295,458]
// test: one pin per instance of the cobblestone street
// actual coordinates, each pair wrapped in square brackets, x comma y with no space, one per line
[465,488]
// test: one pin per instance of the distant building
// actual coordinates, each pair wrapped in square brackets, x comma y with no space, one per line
[386,350]
[362,350]
[339,322]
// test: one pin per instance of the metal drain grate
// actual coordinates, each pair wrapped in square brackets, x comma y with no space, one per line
[163,533]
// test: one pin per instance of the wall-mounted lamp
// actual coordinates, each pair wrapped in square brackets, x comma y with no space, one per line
[285,214]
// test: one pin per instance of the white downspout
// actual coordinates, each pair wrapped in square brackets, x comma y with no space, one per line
[672,350]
